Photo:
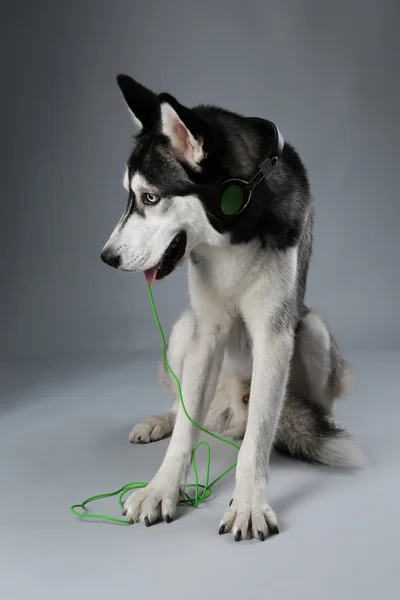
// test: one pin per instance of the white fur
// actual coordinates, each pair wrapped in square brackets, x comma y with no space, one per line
[141,242]
[125,180]
[271,357]
[236,291]
[228,281]
[223,286]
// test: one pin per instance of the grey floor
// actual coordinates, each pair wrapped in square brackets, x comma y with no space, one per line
[64,436]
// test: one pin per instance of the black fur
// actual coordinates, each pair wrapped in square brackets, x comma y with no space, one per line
[280,213]
[234,147]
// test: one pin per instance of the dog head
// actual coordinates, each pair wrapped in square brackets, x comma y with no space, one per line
[174,179]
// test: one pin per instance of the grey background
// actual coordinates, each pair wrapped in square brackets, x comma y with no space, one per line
[326,72]
[78,339]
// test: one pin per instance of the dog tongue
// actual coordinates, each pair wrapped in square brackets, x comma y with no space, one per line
[151,275]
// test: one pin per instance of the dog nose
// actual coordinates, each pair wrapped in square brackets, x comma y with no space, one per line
[111,259]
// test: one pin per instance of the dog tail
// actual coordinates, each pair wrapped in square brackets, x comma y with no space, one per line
[306,431]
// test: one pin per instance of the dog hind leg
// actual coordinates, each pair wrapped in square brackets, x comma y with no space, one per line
[318,371]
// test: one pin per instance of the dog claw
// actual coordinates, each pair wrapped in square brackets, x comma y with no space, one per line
[273,529]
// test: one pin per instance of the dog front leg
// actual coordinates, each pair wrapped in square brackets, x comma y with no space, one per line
[249,514]
[267,309]
[201,369]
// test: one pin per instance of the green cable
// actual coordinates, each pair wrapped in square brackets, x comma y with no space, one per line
[133,485]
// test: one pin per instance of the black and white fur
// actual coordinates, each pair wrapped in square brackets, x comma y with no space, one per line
[247,327]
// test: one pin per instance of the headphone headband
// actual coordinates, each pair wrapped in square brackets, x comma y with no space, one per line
[233,199]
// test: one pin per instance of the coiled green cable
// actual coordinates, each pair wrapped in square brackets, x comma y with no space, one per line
[201,492]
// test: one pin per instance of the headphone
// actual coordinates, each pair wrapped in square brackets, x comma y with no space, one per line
[237,193]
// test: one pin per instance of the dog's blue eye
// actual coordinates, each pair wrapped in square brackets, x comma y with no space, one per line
[150,198]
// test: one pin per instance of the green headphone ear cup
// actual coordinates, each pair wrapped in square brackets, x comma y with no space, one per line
[232,199]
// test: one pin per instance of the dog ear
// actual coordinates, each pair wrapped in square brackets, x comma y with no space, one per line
[142,102]
[189,135]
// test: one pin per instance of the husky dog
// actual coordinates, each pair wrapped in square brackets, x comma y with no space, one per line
[247,331]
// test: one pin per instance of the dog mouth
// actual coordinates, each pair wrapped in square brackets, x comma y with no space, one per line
[170,259]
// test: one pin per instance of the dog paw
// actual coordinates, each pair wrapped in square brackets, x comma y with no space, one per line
[154,503]
[151,430]
[249,516]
